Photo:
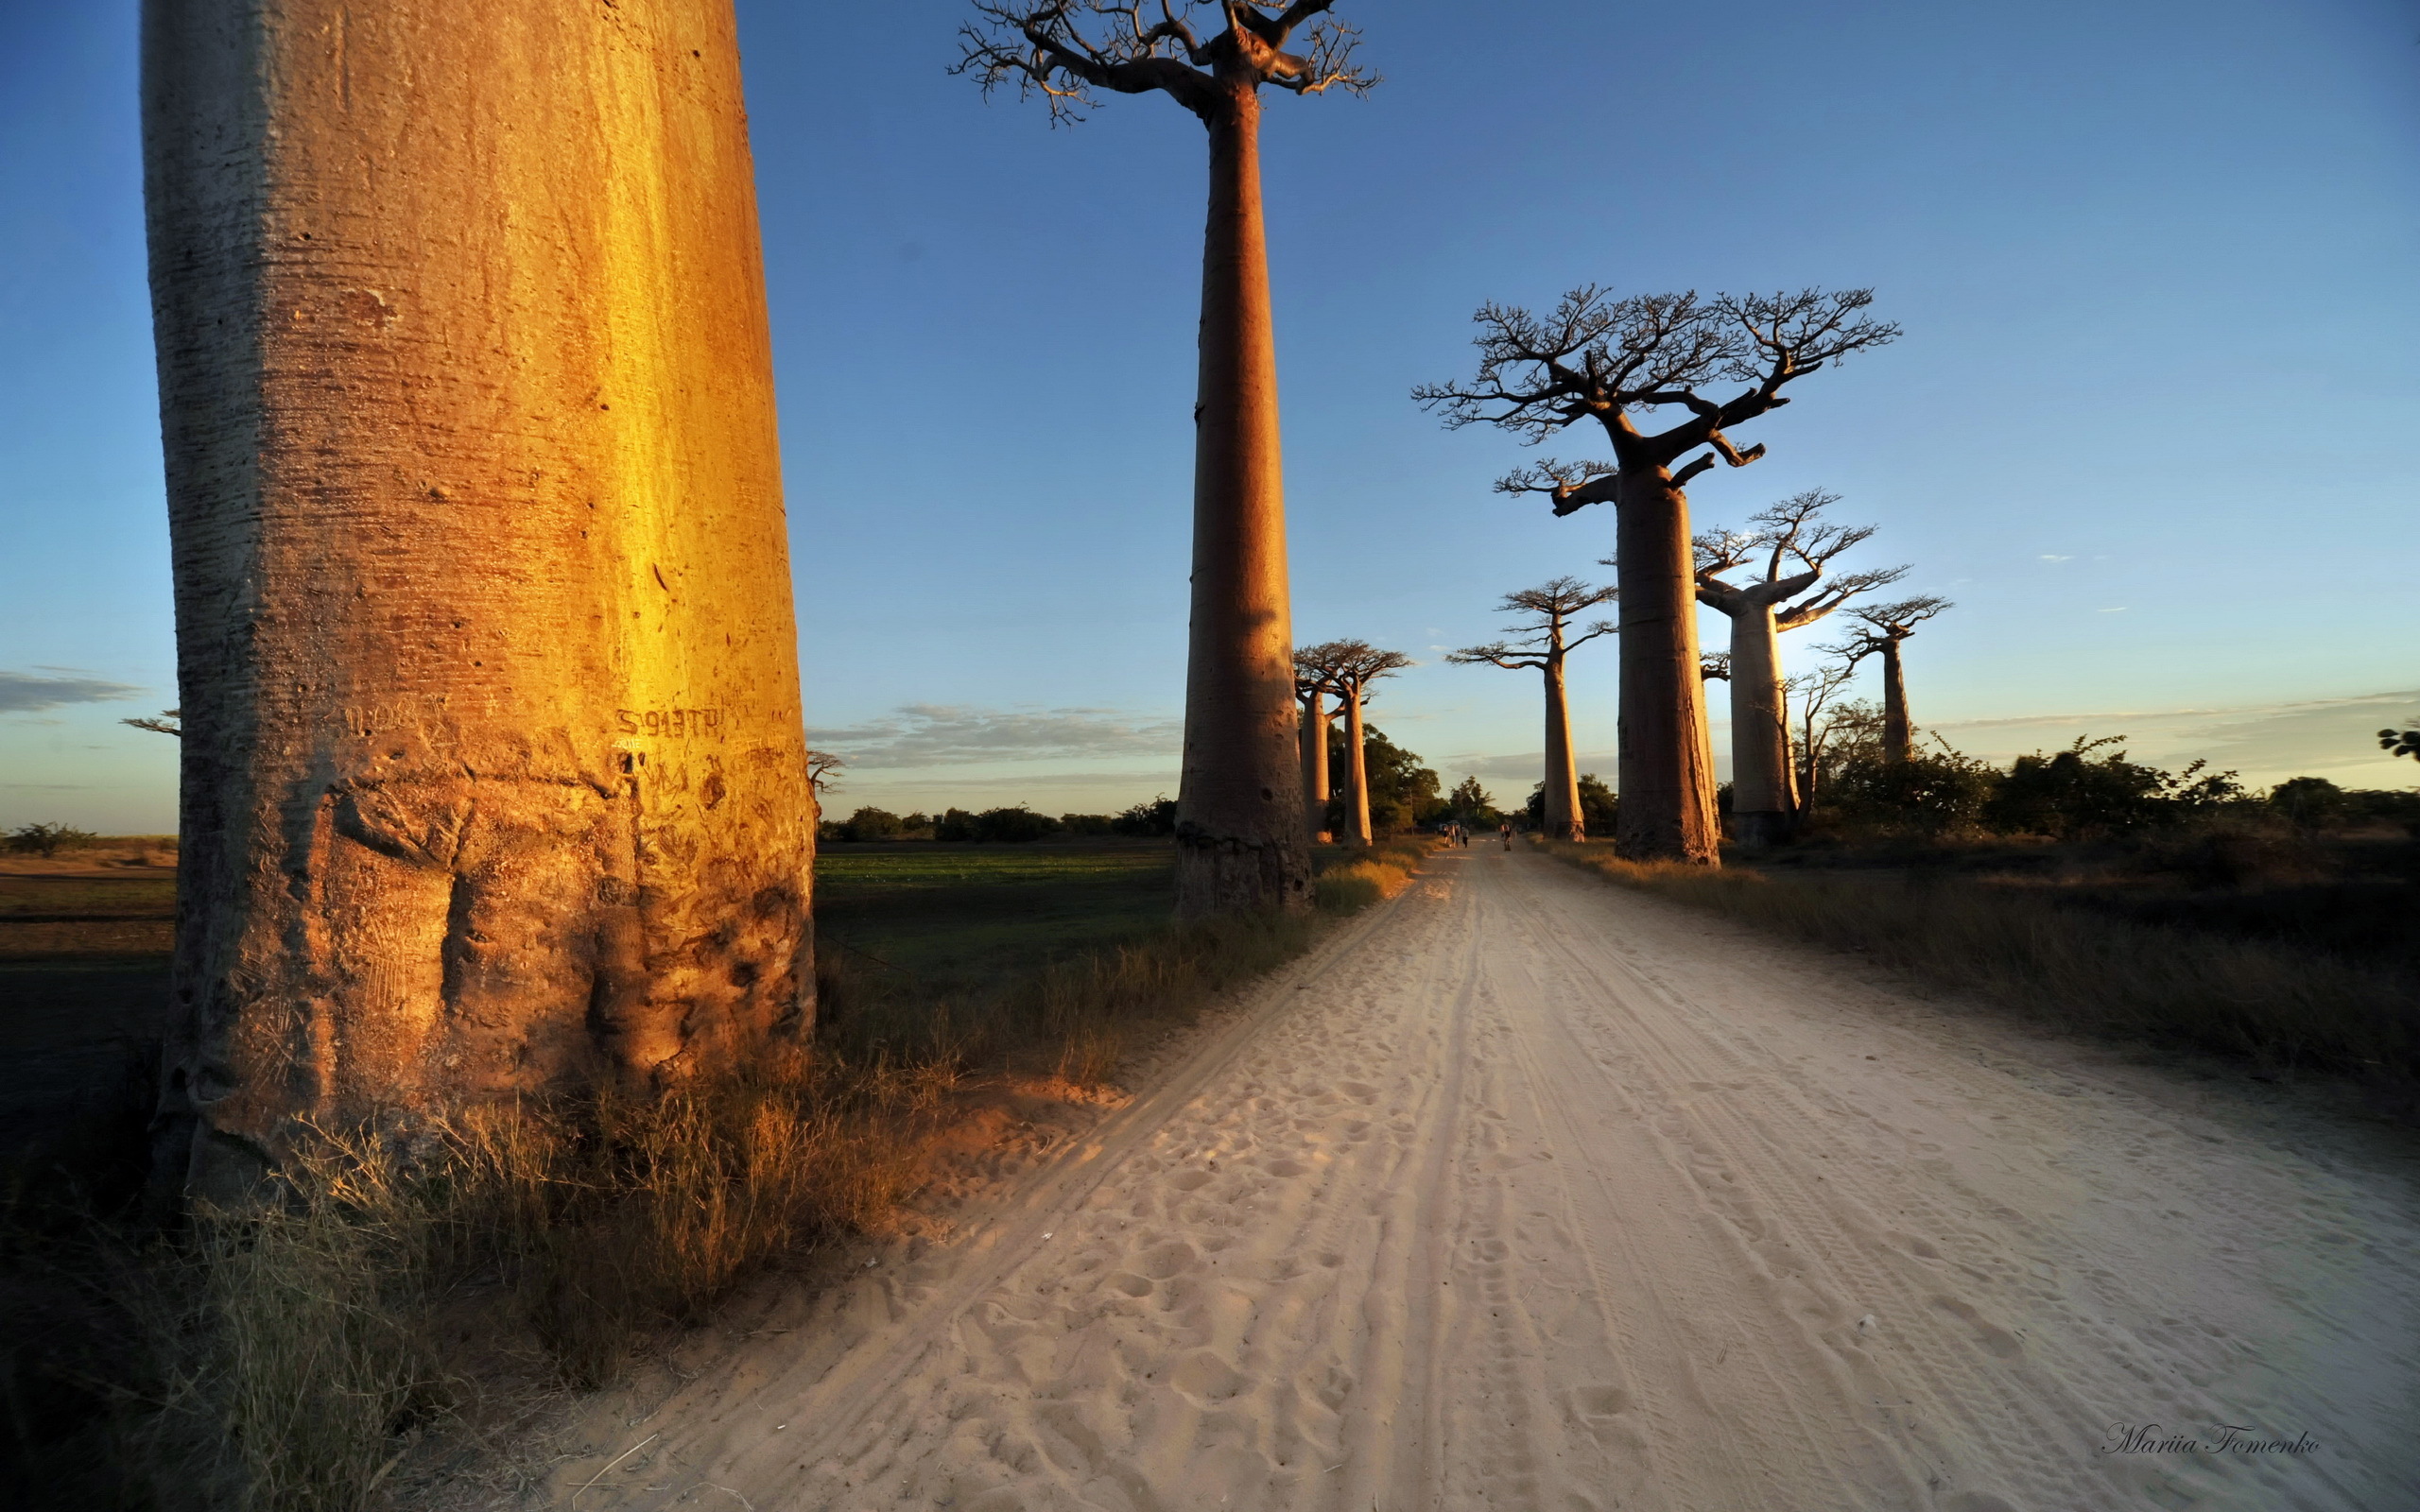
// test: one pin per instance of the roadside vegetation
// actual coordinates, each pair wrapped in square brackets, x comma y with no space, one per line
[2106,894]
[410,1298]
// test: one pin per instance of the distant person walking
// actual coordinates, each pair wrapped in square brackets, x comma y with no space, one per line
[1506,830]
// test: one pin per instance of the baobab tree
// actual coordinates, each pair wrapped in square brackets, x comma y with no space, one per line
[1881,630]
[1788,549]
[1312,689]
[1239,839]
[494,781]
[1349,667]
[1544,642]
[1608,359]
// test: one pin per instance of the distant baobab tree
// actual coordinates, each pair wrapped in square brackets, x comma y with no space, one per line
[1349,667]
[823,771]
[1544,642]
[1879,630]
[1239,836]
[1312,689]
[494,781]
[1604,358]
[1788,549]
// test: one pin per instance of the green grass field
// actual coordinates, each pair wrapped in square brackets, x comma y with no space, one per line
[956,916]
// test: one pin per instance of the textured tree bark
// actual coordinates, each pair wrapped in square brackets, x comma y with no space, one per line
[1356,772]
[493,778]
[1564,819]
[1240,832]
[1898,736]
[1761,810]
[1315,782]
[1665,767]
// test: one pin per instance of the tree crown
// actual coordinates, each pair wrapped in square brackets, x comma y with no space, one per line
[1791,531]
[1065,49]
[1601,357]
[1543,640]
[1348,667]
[1881,625]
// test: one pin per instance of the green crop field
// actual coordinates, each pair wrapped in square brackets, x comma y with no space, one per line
[956,914]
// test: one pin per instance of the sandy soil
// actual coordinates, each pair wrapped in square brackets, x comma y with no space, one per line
[1528,1192]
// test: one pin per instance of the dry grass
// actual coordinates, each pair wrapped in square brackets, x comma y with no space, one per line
[1353,879]
[293,1353]
[2282,1007]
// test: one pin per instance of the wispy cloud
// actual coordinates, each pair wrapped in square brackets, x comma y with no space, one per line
[23,693]
[2050,555]
[932,735]
[2119,610]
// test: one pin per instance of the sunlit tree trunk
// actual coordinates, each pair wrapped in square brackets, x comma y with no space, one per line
[1664,762]
[1356,771]
[1898,736]
[494,780]
[1240,843]
[1563,818]
[1761,809]
[1315,781]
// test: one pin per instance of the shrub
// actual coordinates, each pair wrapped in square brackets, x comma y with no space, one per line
[1931,793]
[1087,824]
[872,824]
[1154,818]
[47,839]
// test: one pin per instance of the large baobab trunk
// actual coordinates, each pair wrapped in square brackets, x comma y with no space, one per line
[1240,832]
[1898,736]
[1356,771]
[493,776]
[1315,781]
[1761,808]
[1666,772]
[1563,818]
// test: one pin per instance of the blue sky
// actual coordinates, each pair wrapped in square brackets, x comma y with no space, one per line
[2150,423]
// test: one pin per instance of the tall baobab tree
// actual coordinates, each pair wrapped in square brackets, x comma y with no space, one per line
[1879,630]
[494,777]
[1239,839]
[1349,667]
[1788,549]
[1544,642]
[1312,689]
[1604,358]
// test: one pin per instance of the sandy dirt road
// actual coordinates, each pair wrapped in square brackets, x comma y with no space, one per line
[1528,1192]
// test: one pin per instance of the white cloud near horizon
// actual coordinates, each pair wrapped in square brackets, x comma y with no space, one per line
[23,693]
[920,735]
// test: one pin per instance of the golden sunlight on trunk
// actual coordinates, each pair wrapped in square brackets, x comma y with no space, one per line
[1240,843]
[493,776]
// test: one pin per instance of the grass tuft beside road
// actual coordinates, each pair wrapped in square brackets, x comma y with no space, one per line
[286,1360]
[2281,1007]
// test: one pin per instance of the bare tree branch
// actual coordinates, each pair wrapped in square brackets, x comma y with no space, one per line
[1066,50]
[1348,666]
[1606,357]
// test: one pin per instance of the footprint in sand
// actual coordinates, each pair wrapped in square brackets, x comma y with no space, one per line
[1601,1402]
[1161,1262]
[1994,1338]
[1189,1180]
[1206,1379]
